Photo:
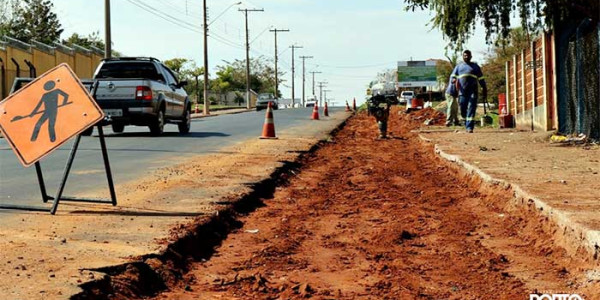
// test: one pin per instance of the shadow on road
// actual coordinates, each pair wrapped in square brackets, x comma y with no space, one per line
[167,134]
[138,213]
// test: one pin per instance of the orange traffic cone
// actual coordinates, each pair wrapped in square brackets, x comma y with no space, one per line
[315,114]
[354,104]
[197,109]
[269,126]
[326,110]
[347,106]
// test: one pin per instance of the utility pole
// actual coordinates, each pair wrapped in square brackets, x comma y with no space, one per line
[304,58]
[293,69]
[313,80]
[321,86]
[275,30]
[206,108]
[325,95]
[245,11]
[107,37]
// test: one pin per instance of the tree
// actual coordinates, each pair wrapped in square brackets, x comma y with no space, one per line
[92,40]
[445,68]
[177,65]
[224,81]
[186,69]
[495,61]
[7,15]
[457,19]
[34,20]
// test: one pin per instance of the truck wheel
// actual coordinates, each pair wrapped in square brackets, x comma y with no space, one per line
[186,122]
[118,128]
[158,125]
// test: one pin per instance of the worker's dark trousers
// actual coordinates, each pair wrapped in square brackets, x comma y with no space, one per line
[382,128]
[468,107]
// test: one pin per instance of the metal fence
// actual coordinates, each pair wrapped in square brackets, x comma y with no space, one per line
[578,80]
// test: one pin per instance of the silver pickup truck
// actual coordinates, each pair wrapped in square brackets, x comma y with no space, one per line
[141,91]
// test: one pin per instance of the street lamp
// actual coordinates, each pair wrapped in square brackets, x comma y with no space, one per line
[224,11]
[206,109]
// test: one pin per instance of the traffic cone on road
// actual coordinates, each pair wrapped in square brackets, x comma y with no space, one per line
[269,126]
[315,113]
[354,104]
[326,110]
[347,106]
[197,109]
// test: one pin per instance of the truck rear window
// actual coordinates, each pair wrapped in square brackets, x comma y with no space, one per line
[129,70]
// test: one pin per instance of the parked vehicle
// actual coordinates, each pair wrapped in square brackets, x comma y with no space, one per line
[264,99]
[141,91]
[406,96]
[311,102]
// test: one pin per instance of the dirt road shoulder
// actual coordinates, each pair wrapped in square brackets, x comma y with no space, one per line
[49,257]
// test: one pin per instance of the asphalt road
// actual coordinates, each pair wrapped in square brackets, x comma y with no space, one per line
[132,154]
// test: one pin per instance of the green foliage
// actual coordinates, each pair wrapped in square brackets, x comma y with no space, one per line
[445,68]
[92,40]
[229,77]
[494,68]
[457,19]
[33,20]
[177,65]
[7,14]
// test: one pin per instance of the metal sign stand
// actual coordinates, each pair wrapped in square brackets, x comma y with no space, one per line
[59,193]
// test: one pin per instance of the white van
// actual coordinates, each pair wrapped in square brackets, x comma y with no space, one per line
[405,96]
[311,102]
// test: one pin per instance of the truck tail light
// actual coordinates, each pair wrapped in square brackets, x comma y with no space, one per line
[143,93]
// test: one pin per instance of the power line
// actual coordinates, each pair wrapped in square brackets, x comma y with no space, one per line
[171,19]
[167,15]
[261,33]
[356,67]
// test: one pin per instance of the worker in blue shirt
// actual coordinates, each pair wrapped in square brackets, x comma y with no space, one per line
[469,77]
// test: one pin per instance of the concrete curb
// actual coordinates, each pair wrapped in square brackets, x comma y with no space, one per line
[576,235]
[221,112]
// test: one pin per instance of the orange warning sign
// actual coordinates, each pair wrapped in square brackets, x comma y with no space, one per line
[47,112]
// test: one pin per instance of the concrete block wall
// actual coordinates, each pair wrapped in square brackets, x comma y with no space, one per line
[43,57]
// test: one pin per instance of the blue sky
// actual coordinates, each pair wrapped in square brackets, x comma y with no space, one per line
[350,40]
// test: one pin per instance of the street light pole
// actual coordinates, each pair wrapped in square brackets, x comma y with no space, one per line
[313,81]
[321,85]
[293,71]
[206,108]
[245,11]
[107,37]
[304,58]
[275,30]
[325,95]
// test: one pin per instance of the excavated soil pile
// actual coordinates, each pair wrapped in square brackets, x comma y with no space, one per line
[386,219]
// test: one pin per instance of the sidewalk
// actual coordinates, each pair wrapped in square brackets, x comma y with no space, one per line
[561,182]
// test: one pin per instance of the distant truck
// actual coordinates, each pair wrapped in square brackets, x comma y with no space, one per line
[311,101]
[141,91]
[264,99]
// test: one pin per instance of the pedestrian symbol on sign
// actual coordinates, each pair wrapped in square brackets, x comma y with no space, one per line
[50,101]
[44,114]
